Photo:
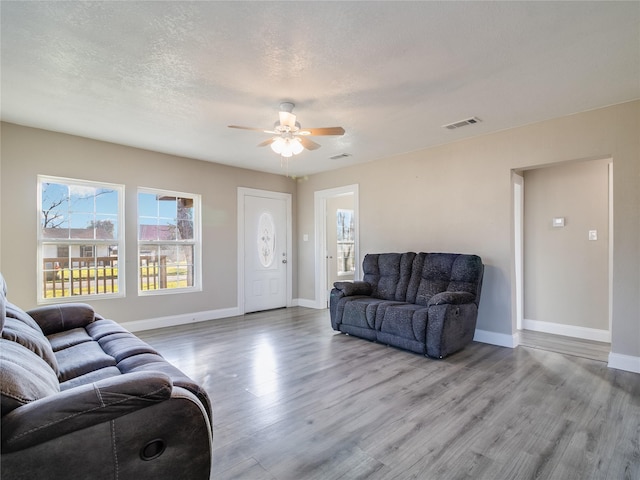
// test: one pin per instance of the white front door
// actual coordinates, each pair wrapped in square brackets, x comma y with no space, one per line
[265,253]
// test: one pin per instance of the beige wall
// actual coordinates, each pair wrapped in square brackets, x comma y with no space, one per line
[566,275]
[28,152]
[457,198]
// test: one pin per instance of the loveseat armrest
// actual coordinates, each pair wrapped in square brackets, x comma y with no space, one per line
[341,290]
[348,289]
[81,407]
[451,298]
[64,316]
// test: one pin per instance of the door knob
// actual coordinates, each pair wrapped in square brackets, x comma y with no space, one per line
[284,261]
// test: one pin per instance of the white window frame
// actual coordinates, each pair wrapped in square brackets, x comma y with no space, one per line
[42,242]
[196,242]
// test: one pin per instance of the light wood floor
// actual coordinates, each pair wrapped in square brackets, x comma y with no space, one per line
[295,400]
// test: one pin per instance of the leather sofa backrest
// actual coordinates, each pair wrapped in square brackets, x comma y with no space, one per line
[3,300]
[388,274]
[434,273]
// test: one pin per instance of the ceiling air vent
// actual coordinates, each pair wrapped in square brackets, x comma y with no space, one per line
[342,155]
[462,123]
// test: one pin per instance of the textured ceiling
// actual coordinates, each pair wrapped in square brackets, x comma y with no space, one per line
[170,76]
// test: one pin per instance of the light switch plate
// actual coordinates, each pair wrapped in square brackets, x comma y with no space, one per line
[558,221]
[593,235]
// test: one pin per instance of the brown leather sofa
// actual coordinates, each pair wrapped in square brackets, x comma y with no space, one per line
[83,398]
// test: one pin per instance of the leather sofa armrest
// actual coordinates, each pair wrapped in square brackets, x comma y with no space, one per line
[61,317]
[82,407]
[349,289]
[451,298]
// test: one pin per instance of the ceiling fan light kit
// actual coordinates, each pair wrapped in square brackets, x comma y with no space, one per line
[289,139]
[286,146]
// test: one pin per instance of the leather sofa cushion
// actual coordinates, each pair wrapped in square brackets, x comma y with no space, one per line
[69,338]
[24,376]
[91,377]
[59,318]
[82,358]
[20,332]
[13,311]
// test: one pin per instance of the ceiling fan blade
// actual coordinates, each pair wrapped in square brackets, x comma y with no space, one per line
[246,128]
[287,119]
[323,131]
[251,128]
[308,144]
[266,142]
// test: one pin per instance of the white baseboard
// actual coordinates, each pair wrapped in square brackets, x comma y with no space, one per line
[182,319]
[499,339]
[567,330]
[624,362]
[304,302]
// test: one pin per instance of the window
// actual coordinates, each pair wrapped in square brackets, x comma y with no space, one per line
[168,241]
[79,236]
[346,242]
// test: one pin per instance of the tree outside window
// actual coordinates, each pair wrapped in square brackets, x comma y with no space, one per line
[346,242]
[78,238]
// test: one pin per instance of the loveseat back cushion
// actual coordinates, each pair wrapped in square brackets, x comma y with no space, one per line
[13,311]
[24,376]
[59,318]
[388,274]
[434,273]
[30,338]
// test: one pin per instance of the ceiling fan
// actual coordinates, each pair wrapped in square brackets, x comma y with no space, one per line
[288,136]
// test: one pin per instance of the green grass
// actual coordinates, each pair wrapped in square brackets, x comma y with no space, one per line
[81,275]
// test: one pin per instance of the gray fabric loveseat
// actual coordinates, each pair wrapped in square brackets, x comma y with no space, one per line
[423,302]
[83,398]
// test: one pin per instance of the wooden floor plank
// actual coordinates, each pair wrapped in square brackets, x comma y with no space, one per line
[293,399]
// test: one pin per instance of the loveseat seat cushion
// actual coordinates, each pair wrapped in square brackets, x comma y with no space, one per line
[90,377]
[124,345]
[359,316]
[81,359]
[24,376]
[403,325]
[68,338]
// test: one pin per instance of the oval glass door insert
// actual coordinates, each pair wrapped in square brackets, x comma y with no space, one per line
[266,239]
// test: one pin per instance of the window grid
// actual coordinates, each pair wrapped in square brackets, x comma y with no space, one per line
[79,238]
[168,241]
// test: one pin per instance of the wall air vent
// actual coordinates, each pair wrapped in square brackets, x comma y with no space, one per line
[462,123]
[341,155]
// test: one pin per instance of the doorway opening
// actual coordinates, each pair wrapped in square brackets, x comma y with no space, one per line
[563,252]
[337,255]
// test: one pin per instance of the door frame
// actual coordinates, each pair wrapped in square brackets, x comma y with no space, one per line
[320,208]
[252,192]
[518,235]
